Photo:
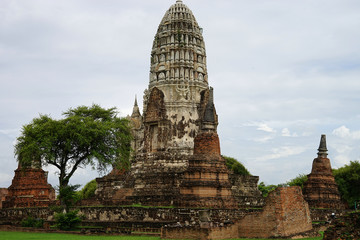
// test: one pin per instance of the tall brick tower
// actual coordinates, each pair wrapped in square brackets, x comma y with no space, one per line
[321,190]
[178,113]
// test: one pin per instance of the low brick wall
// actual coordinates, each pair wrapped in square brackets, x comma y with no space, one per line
[138,215]
[324,214]
[286,213]
[226,232]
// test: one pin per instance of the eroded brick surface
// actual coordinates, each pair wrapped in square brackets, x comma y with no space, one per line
[286,213]
[29,188]
[321,190]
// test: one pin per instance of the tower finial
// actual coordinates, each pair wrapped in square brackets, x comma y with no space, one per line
[179,1]
[209,119]
[135,104]
[322,147]
[136,111]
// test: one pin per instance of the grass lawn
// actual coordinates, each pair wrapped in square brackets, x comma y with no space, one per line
[60,236]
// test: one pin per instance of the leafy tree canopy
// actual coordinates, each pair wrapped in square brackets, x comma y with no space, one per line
[88,191]
[266,189]
[85,136]
[298,181]
[348,180]
[235,166]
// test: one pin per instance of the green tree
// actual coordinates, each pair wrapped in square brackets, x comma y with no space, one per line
[88,191]
[85,136]
[235,166]
[348,180]
[298,181]
[266,189]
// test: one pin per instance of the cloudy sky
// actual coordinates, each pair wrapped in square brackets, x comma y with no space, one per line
[284,72]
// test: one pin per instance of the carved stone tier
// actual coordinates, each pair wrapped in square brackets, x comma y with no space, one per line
[114,188]
[29,188]
[206,181]
[321,190]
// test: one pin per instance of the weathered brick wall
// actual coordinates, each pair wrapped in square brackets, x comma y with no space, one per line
[324,214]
[345,227]
[3,194]
[286,213]
[29,188]
[226,232]
[245,191]
[184,216]
[207,143]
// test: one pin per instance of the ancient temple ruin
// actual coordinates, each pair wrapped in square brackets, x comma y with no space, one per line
[321,190]
[29,188]
[177,158]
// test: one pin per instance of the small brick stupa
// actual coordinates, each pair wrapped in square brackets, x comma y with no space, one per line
[206,181]
[29,188]
[321,190]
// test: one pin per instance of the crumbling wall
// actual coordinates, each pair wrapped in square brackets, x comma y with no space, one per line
[226,232]
[245,190]
[3,194]
[286,213]
[139,215]
[346,227]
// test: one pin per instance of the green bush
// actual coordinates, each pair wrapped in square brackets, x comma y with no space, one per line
[298,181]
[68,221]
[266,189]
[236,166]
[88,190]
[32,222]
[348,180]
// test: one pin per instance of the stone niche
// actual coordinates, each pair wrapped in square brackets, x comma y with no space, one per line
[29,188]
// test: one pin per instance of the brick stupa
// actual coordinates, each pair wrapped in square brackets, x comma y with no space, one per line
[29,188]
[321,190]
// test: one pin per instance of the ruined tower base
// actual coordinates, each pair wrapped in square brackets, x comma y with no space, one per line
[206,181]
[29,188]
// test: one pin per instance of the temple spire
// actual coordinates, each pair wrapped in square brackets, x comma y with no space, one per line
[322,150]
[136,111]
[209,119]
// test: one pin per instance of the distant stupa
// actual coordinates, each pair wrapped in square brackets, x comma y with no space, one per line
[321,190]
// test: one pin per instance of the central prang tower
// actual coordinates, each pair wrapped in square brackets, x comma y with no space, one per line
[177,157]
[178,84]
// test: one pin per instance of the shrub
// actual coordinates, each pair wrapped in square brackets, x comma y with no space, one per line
[32,222]
[236,166]
[68,221]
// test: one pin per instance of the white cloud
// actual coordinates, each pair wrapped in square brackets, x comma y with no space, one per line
[263,139]
[285,73]
[344,132]
[264,127]
[285,132]
[261,126]
[281,152]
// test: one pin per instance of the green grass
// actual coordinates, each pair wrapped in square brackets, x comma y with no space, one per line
[61,236]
